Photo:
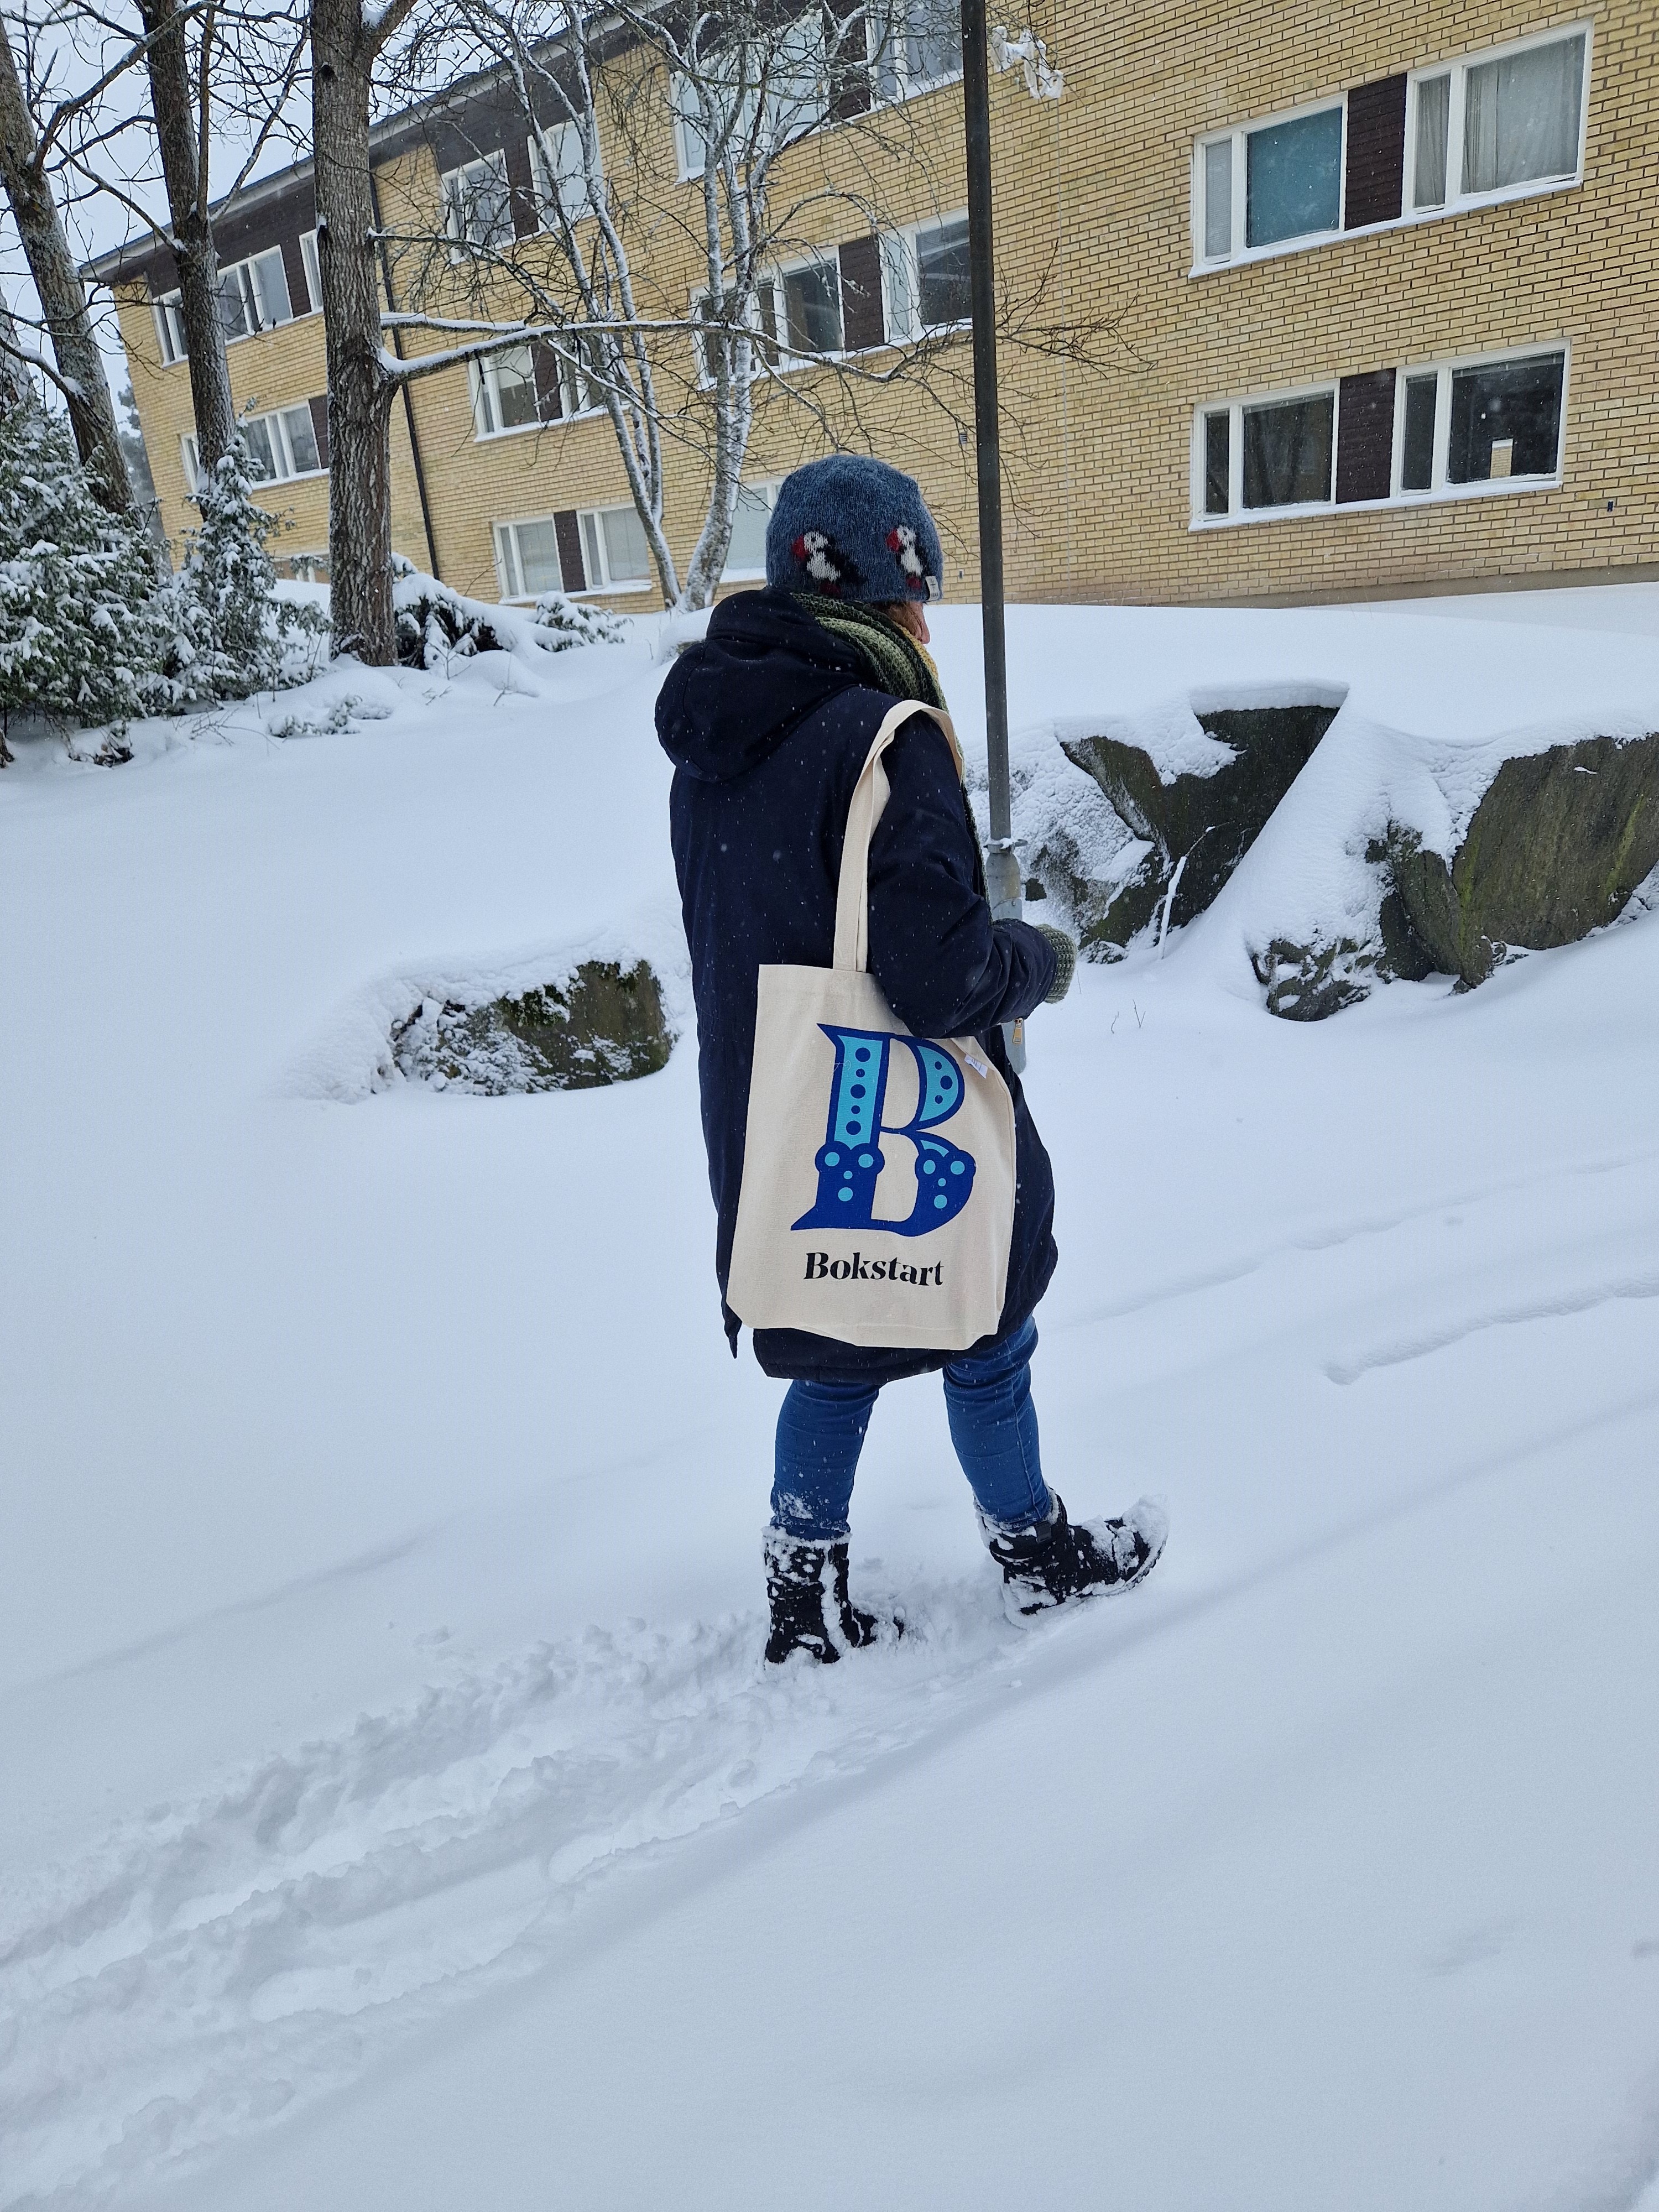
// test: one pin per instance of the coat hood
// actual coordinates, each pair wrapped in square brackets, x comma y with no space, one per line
[733,698]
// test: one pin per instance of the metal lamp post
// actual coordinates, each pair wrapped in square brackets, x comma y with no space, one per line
[1001,864]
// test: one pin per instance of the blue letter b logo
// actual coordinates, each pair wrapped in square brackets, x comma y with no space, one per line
[850,1158]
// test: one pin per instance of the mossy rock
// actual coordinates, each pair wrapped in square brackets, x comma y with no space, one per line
[1128,912]
[605,1023]
[1557,845]
[1206,822]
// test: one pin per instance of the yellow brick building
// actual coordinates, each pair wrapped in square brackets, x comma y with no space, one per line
[1320,303]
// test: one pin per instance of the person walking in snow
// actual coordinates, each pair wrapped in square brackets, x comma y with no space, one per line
[767,722]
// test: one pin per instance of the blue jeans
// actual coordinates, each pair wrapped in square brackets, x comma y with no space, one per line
[994,1426]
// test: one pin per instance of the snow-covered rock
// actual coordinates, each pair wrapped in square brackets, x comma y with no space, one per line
[602,1024]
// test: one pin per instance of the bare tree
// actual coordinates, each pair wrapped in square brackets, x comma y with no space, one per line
[739,84]
[348,39]
[181,113]
[78,372]
[170,80]
[575,279]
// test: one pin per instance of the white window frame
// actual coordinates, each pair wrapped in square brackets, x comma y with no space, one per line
[1238,134]
[246,274]
[1457,200]
[311,260]
[544,198]
[576,385]
[771,486]
[688,154]
[167,310]
[462,245]
[1235,407]
[281,446]
[509,565]
[483,377]
[1439,491]
[774,280]
[589,524]
[1494,487]
[904,87]
[901,280]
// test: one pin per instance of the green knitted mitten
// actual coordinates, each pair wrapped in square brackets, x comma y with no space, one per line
[1065,955]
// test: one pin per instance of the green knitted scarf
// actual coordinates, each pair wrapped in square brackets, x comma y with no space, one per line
[896,662]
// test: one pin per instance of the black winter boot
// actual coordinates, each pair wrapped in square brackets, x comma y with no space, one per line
[1057,1561]
[806,1586]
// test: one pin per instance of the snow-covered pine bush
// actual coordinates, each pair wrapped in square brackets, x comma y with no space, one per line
[82,619]
[233,631]
[559,623]
[435,624]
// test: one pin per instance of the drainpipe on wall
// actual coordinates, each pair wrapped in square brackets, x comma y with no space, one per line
[408,402]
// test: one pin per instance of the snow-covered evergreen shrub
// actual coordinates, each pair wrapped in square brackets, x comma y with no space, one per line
[83,612]
[233,631]
[435,624]
[560,623]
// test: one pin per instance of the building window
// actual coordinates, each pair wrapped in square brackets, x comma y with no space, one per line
[1483,422]
[280,445]
[526,386]
[477,206]
[583,379]
[1265,183]
[505,392]
[809,298]
[917,44]
[1498,121]
[169,327]
[314,267]
[926,282]
[800,316]
[1455,135]
[848,298]
[942,287]
[527,558]
[567,188]
[785,77]
[253,294]
[614,551]
[746,556]
[1268,455]
[599,549]
[1445,430]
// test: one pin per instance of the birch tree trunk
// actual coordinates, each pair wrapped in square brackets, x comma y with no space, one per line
[177,136]
[58,285]
[360,390]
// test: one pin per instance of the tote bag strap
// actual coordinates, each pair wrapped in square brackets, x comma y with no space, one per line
[870,795]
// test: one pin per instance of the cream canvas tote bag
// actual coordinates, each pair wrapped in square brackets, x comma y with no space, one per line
[878,1198]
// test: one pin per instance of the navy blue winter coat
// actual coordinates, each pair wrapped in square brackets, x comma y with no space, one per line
[768,722]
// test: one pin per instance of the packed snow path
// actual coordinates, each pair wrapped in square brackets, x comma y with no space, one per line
[398,1815]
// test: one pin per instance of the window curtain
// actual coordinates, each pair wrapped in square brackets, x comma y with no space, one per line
[1521,117]
[1287,453]
[1433,110]
[1219,199]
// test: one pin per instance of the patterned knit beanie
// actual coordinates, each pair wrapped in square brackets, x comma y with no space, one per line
[853,530]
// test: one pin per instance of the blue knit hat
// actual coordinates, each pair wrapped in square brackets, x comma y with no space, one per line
[854,529]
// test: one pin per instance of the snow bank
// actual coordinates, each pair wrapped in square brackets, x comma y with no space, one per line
[395,1811]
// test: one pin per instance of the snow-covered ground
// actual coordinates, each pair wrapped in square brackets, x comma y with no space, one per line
[396,1816]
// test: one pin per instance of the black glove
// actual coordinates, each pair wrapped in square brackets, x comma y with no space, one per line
[1065,960]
